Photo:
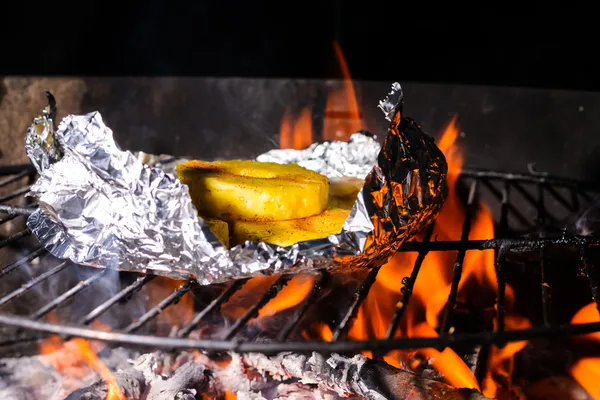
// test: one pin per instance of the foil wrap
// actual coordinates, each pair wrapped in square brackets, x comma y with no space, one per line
[334,159]
[105,207]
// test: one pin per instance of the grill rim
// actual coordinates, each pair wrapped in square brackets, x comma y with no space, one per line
[498,337]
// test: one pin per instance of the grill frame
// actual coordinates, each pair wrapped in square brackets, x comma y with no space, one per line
[546,185]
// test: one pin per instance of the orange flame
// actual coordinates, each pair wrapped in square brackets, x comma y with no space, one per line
[296,134]
[76,357]
[342,114]
[159,289]
[229,395]
[501,360]
[431,290]
[292,294]
[422,316]
[586,371]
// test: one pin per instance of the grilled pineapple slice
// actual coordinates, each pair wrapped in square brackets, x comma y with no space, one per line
[246,190]
[343,192]
[286,233]
[346,186]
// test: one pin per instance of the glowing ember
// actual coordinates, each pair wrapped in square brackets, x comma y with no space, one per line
[501,361]
[229,395]
[586,371]
[75,358]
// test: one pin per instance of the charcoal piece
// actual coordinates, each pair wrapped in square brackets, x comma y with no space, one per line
[131,383]
[141,381]
[556,388]
[355,376]
[187,381]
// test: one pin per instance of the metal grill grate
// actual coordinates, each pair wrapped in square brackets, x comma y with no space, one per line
[552,196]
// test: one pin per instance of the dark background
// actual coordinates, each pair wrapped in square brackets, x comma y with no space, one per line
[544,45]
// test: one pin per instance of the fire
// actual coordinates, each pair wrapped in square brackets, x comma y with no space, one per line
[422,316]
[296,133]
[341,119]
[162,287]
[586,371]
[342,114]
[430,292]
[292,294]
[76,358]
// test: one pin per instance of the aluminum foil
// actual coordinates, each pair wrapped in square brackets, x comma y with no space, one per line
[40,142]
[334,159]
[105,207]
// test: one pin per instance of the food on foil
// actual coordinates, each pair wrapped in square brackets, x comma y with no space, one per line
[287,232]
[275,203]
[102,206]
[249,190]
[220,229]
[344,191]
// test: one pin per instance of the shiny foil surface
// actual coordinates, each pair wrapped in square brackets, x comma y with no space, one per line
[334,159]
[105,207]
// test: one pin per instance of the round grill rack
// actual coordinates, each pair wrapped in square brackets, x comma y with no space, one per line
[567,195]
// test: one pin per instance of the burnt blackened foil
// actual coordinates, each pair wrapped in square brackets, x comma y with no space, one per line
[105,207]
[406,189]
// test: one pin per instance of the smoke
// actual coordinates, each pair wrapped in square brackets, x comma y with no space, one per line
[588,222]
[73,309]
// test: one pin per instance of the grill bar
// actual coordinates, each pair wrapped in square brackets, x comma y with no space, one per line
[458,265]
[409,286]
[33,282]
[102,308]
[15,169]
[310,299]
[17,209]
[359,296]
[487,338]
[500,276]
[14,178]
[560,198]
[515,245]
[8,217]
[514,211]
[545,286]
[504,209]
[19,192]
[11,267]
[253,311]
[481,174]
[213,306]
[68,294]
[160,307]
[593,276]
[14,238]
[489,179]
[543,214]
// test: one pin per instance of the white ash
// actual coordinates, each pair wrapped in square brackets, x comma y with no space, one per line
[254,376]
[33,378]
